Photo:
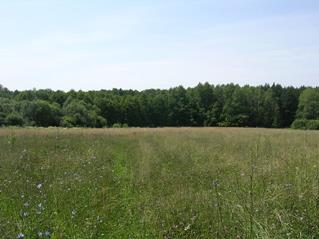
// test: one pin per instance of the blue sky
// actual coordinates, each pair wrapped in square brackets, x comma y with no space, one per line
[67,44]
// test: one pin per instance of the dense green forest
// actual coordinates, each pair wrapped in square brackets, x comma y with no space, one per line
[271,106]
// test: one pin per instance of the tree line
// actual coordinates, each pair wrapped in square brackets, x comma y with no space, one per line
[270,106]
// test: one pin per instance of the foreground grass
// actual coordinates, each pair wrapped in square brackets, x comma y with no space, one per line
[159,183]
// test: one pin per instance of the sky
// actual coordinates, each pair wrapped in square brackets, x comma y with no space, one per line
[105,44]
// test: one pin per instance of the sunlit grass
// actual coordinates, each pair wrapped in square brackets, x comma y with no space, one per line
[159,183]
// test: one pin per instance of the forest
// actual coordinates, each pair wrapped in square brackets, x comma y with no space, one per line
[268,106]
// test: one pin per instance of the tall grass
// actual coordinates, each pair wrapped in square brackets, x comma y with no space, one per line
[159,183]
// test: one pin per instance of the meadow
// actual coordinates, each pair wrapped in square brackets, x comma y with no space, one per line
[159,183]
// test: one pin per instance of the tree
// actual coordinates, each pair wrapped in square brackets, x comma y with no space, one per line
[78,113]
[42,113]
[2,118]
[308,107]
[289,106]
[236,111]
[132,111]
[179,108]
[109,107]
[205,94]
[270,110]
[14,119]
[203,105]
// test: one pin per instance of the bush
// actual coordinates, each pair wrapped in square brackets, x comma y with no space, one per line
[67,122]
[117,125]
[313,124]
[2,118]
[224,124]
[14,119]
[41,113]
[305,124]
[100,122]
[125,125]
[299,124]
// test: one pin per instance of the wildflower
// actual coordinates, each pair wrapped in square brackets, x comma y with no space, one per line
[39,185]
[25,214]
[187,227]
[44,234]
[73,213]
[20,236]
[26,204]
[216,183]
[23,154]
[40,208]
[98,218]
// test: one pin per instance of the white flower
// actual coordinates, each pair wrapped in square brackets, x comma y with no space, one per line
[20,236]
[40,206]
[187,227]
[39,185]
[25,214]
[73,213]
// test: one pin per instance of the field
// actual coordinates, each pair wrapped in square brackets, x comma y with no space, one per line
[159,183]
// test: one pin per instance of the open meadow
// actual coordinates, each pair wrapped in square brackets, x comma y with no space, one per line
[159,183]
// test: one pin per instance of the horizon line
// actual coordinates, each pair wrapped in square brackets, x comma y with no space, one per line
[172,87]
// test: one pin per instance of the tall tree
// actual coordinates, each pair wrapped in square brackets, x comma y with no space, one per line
[308,107]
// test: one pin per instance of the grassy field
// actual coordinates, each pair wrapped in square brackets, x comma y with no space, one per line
[159,183]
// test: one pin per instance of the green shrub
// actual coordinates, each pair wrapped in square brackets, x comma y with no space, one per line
[312,124]
[299,124]
[14,119]
[67,122]
[305,124]
[2,118]
[100,122]
[117,125]
[224,124]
